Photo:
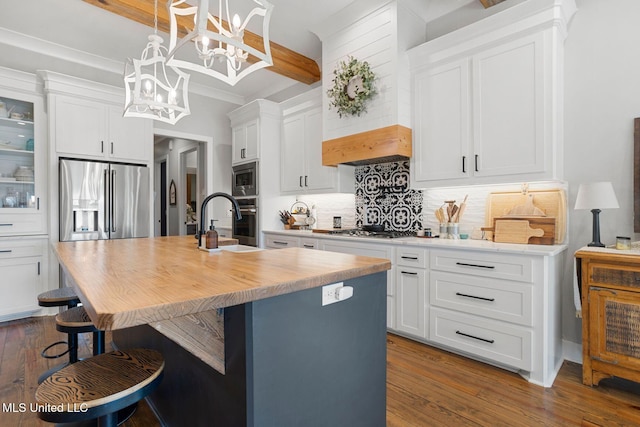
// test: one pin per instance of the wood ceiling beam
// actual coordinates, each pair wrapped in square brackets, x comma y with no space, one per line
[286,62]
[489,3]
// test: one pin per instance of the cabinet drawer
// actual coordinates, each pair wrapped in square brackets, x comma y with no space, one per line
[20,224]
[492,298]
[618,275]
[281,242]
[411,257]
[309,243]
[506,344]
[10,248]
[500,266]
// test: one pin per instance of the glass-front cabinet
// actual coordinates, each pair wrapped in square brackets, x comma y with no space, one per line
[22,165]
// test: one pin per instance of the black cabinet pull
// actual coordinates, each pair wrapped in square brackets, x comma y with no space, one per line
[38,203]
[475,338]
[409,272]
[102,146]
[280,243]
[409,257]
[476,163]
[464,164]
[38,268]
[6,251]
[6,225]
[464,264]
[300,181]
[309,246]
[112,148]
[475,297]
[305,181]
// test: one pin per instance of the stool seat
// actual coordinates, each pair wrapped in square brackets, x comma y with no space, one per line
[58,298]
[75,320]
[99,386]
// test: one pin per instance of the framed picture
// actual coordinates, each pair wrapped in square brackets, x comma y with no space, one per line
[172,193]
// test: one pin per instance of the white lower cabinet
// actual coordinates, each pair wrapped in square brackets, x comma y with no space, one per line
[23,268]
[276,241]
[411,295]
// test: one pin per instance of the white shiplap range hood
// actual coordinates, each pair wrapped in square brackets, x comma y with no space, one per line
[379,33]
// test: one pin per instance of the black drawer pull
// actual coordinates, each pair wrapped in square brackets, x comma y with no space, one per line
[475,297]
[477,163]
[6,225]
[309,246]
[464,264]
[409,272]
[415,258]
[464,164]
[475,338]
[6,251]
[280,243]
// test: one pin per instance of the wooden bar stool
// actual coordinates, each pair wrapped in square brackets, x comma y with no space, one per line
[75,321]
[58,298]
[99,387]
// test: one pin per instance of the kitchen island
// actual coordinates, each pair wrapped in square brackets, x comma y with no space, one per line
[245,336]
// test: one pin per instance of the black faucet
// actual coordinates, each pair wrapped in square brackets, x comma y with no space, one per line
[236,207]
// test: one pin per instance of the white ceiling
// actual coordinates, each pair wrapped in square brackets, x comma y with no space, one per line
[76,38]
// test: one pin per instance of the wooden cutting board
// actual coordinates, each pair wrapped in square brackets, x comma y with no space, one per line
[552,203]
[515,231]
[546,224]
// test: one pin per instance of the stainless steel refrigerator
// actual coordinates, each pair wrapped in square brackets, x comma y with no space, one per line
[103,200]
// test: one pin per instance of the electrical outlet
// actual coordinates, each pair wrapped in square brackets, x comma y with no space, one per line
[330,293]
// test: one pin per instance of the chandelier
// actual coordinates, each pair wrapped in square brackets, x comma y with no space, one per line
[153,89]
[221,51]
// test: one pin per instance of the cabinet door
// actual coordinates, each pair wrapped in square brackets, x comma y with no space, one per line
[21,283]
[252,140]
[80,127]
[614,316]
[130,138]
[410,301]
[239,143]
[317,177]
[508,109]
[441,117]
[292,154]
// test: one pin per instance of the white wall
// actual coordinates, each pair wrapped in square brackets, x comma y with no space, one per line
[602,87]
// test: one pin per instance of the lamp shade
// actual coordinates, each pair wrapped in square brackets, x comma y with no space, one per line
[596,195]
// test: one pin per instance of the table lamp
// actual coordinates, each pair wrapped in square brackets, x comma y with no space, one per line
[596,196]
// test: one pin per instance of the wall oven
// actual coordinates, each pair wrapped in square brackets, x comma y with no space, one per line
[246,229]
[245,180]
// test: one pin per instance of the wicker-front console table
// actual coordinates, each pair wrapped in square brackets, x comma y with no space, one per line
[610,295]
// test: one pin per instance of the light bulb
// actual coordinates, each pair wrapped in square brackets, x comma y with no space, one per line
[236,22]
[158,98]
[147,85]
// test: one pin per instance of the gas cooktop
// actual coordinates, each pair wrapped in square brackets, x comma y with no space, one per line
[356,232]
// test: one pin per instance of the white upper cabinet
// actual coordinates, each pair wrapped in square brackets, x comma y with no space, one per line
[252,130]
[487,99]
[301,150]
[86,121]
[245,142]
[96,129]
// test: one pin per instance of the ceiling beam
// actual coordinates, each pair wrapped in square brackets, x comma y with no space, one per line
[489,3]
[285,61]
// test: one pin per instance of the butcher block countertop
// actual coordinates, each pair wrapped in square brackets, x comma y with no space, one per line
[129,282]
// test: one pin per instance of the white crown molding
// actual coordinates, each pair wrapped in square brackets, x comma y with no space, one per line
[20,80]
[44,47]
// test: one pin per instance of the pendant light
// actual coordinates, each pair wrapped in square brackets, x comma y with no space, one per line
[221,53]
[153,89]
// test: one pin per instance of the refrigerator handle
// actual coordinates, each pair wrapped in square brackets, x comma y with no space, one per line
[113,201]
[106,199]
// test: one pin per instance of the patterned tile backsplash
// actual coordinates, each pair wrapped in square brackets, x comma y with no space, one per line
[383,197]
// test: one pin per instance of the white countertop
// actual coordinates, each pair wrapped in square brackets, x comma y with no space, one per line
[470,244]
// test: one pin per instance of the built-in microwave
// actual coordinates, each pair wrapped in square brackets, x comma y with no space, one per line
[245,180]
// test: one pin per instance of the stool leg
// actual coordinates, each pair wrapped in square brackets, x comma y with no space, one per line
[98,343]
[73,347]
[109,420]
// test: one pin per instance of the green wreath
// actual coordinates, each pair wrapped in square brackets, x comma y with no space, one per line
[352,87]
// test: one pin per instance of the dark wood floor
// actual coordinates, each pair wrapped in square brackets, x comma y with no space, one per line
[425,387]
